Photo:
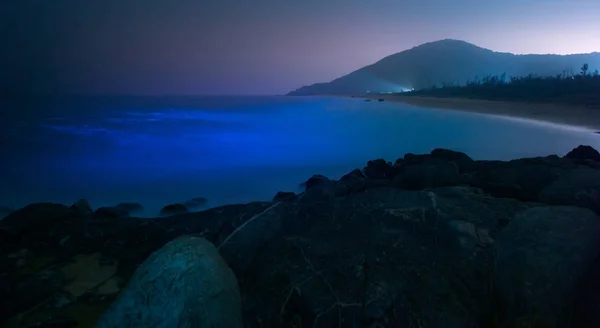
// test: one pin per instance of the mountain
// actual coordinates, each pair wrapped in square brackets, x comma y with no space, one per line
[446,61]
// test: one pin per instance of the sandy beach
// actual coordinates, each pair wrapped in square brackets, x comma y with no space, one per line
[551,113]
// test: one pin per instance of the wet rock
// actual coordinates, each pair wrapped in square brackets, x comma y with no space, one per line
[184,284]
[316,180]
[174,209]
[284,196]
[541,256]
[82,206]
[195,203]
[582,153]
[378,169]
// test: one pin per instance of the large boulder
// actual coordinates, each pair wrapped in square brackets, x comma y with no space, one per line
[184,284]
[316,180]
[384,257]
[5,211]
[378,169]
[541,256]
[521,179]
[173,209]
[583,153]
[462,160]
[580,187]
[430,174]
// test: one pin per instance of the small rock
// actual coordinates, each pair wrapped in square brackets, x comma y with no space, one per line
[82,206]
[582,153]
[173,209]
[284,196]
[462,160]
[186,283]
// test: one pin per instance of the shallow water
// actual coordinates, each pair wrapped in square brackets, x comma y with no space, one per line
[157,151]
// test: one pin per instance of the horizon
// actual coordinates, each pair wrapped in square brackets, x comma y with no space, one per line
[267,48]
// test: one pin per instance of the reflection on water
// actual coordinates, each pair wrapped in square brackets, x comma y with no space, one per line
[159,151]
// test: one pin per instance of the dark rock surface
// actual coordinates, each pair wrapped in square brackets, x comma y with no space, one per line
[284,196]
[186,283]
[5,211]
[583,153]
[435,240]
[541,256]
[196,203]
[173,209]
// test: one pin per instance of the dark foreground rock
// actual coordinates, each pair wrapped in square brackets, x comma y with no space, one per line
[184,284]
[434,240]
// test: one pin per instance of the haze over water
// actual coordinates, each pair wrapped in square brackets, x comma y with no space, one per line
[158,151]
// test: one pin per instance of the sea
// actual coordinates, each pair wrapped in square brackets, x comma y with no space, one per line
[162,150]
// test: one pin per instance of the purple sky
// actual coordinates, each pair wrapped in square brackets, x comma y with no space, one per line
[258,46]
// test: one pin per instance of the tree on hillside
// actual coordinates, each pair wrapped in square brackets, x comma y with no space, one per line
[584,69]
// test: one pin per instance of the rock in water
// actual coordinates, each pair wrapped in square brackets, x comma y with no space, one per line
[542,255]
[184,284]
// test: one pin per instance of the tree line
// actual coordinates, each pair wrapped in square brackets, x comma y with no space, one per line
[582,88]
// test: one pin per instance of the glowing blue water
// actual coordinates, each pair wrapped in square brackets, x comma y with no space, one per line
[164,150]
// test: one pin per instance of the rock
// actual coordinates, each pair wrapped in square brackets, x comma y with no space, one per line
[110,212]
[582,153]
[174,209]
[129,208]
[352,176]
[5,211]
[316,180]
[82,206]
[380,99]
[120,210]
[242,245]
[184,284]
[541,256]
[284,196]
[384,257]
[522,179]
[579,187]
[462,160]
[195,203]
[378,169]
[428,175]
[37,216]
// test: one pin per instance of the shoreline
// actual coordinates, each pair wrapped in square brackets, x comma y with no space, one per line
[561,114]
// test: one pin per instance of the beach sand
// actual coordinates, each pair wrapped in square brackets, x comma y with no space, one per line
[582,117]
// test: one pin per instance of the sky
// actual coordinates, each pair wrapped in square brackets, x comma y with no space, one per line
[262,47]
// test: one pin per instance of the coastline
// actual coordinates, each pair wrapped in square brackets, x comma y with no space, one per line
[575,116]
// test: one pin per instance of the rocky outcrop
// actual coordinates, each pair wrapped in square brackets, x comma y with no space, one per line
[186,283]
[173,209]
[434,240]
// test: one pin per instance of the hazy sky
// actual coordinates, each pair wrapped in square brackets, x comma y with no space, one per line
[258,46]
